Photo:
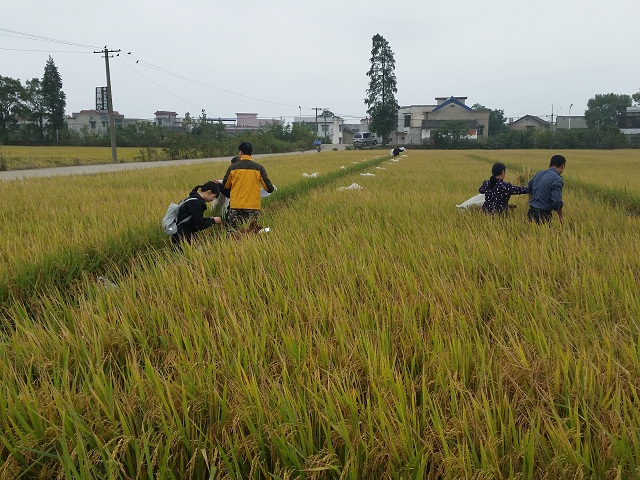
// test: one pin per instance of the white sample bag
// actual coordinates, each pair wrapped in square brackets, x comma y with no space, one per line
[473,202]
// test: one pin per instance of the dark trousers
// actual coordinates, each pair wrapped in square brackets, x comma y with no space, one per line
[539,216]
[242,217]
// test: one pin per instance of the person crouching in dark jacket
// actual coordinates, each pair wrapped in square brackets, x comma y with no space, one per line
[191,215]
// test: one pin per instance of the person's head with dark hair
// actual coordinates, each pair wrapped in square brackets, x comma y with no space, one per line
[209,191]
[558,161]
[235,159]
[245,148]
[498,171]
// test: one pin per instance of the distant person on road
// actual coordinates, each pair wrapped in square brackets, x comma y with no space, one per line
[243,180]
[191,214]
[497,192]
[545,192]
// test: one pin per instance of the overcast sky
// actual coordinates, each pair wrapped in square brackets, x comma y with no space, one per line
[279,57]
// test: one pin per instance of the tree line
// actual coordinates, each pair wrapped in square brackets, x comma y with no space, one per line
[33,112]
[197,138]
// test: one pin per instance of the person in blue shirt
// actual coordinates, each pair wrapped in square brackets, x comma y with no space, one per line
[545,192]
[497,192]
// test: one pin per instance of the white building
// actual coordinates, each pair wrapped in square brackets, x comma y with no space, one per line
[94,121]
[325,127]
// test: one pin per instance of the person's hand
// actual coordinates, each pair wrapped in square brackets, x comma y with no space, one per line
[217,219]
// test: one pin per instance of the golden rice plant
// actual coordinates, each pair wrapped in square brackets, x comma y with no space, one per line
[374,333]
[614,169]
[22,157]
[54,228]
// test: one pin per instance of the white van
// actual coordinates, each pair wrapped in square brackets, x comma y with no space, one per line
[363,139]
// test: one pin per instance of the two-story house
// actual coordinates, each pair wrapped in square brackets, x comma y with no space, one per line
[416,123]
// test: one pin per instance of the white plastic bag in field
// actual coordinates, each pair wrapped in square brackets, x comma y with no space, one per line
[473,202]
[311,175]
[353,186]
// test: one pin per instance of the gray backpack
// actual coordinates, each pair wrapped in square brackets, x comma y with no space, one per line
[170,219]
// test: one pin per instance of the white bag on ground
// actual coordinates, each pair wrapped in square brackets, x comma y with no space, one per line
[353,186]
[473,202]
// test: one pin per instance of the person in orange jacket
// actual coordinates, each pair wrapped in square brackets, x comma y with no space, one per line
[243,180]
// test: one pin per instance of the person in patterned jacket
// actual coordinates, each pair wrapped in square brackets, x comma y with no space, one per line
[497,192]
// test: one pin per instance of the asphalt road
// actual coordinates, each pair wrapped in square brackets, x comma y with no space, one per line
[118,167]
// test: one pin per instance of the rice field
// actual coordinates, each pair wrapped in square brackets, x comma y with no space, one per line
[373,333]
[14,157]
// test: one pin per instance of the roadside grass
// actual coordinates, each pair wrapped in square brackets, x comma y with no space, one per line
[374,333]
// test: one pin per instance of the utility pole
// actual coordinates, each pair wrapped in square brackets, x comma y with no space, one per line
[570,115]
[112,123]
[325,123]
[316,109]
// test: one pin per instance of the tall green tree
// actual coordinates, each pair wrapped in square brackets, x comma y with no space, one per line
[53,98]
[381,100]
[497,120]
[11,106]
[636,97]
[603,111]
[451,135]
[34,103]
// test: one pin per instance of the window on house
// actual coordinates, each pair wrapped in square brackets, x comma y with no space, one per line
[480,131]
[159,121]
[92,124]
[407,120]
[104,124]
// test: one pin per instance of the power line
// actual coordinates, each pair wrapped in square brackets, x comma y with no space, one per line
[45,51]
[40,38]
[196,82]
[209,86]
[157,84]
[219,90]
